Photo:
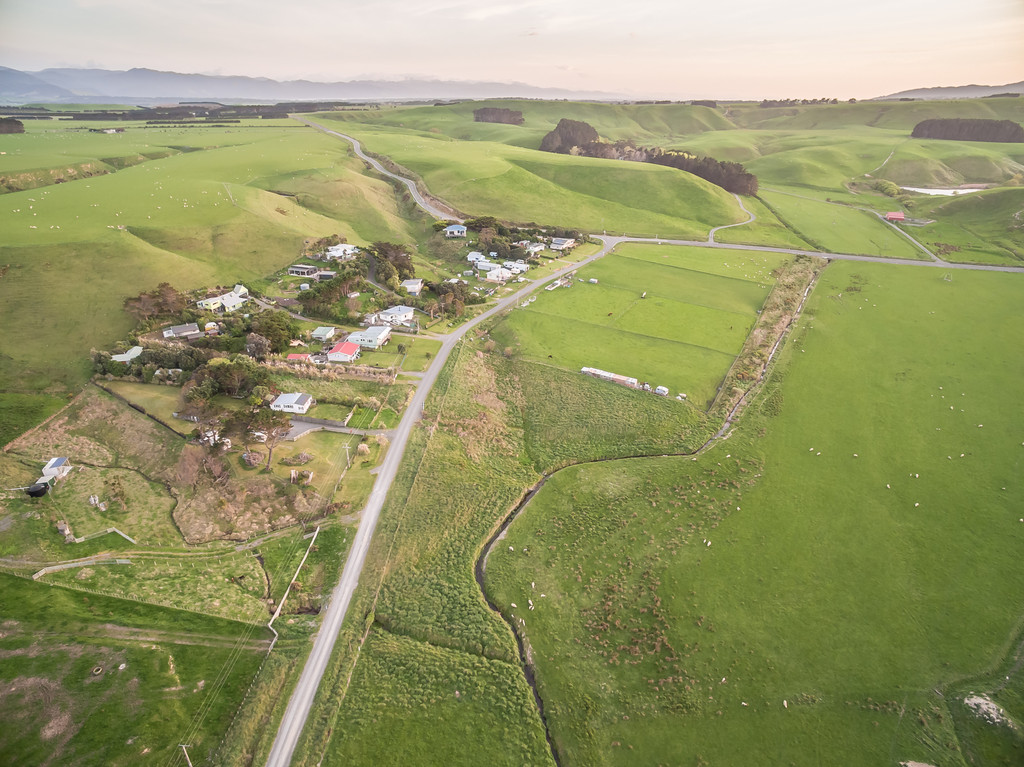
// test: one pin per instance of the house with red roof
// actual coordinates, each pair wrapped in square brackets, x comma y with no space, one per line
[895,216]
[344,351]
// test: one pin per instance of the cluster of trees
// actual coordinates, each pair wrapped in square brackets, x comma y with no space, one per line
[798,102]
[164,301]
[731,176]
[705,103]
[393,263]
[328,300]
[237,376]
[970,129]
[579,138]
[498,115]
[10,125]
[568,134]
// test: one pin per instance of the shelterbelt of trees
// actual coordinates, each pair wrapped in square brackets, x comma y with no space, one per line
[579,138]
[964,129]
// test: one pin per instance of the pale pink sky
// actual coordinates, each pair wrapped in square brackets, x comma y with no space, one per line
[648,48]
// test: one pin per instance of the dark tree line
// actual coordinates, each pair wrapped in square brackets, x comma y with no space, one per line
[969,129]
[10,125]
[498,115]
[579,138]
[731,176]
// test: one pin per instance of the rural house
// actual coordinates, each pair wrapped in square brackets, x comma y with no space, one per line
[396,315]
[562,243]
[227,302]
[303,270]
[455,230]
[293,402]
[896,216]
[371,338]
[341,252]
[413,287]
[498,274]
[344,351]
[189,332]
[323,333]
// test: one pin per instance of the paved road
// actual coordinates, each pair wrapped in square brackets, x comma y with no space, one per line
[302,698]
[750,217]
[423,202]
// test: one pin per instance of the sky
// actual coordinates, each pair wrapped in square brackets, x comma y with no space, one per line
[739,49]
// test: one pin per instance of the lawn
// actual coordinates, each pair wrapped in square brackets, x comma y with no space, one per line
[699,308]
[864,538]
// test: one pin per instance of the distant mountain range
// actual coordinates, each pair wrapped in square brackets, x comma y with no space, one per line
[149,87]
[956,92]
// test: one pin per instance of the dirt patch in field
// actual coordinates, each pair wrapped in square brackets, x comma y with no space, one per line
[36,703]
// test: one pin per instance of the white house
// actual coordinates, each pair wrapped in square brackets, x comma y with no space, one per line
[344,351]
[485,266]
[342,252]
[323,333]
[562,243]
[475,256]
[371,338]
[303,270]
[57,467]
[498,274]
[293,402]
[189,332]
[396,315]
[455,230]
[128,356]
[413,287]
[227,302]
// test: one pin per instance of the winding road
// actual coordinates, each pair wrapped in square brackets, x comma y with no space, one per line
[301,700]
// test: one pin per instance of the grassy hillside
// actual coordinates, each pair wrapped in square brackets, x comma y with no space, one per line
[218,213]
[522,185]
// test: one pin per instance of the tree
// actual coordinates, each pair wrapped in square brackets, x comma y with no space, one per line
[278,328]
[257,346]
[430,307]
[272,423]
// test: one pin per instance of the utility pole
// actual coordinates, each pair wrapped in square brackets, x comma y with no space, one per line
[348,460]
[184,748]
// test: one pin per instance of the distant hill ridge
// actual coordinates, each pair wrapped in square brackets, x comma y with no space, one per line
[151,86]
[956,92]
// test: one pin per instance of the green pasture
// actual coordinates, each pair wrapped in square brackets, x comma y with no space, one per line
[486,178]
[983,227]
[229,211]
[864,550]
[840,229]
[699,309]
[175,664]
[437,706]
[135,505]
[328,451]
